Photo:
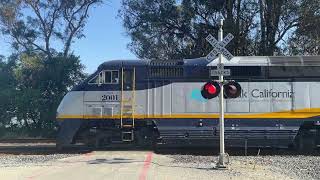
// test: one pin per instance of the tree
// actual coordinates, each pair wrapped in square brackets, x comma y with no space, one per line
[306,38]
[34,80]
[41,84]
[170,29]
[277,18]
[7,91]
[32,86]
[240,21]
[35,24]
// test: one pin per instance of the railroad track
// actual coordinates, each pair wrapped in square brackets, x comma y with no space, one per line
[47,145]
[35,146]
[28,140]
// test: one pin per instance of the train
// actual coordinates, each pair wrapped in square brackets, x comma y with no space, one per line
[151,103]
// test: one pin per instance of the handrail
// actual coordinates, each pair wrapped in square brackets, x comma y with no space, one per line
[121,106]
[133,95]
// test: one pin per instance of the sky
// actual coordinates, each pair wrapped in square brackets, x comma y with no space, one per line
[105,38]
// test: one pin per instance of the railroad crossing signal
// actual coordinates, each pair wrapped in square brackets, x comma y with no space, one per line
[218,47]
[213,89]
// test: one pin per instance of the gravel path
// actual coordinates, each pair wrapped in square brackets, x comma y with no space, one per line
[294,167]
[30,160]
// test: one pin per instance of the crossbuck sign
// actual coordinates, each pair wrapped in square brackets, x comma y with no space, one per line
[218,47]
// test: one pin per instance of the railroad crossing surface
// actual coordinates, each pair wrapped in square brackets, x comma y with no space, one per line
[136,165]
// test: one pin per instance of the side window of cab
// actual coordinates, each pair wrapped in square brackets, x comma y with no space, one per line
[106,77]
[111,77]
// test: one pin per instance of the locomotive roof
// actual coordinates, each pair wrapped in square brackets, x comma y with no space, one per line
[260,61]
[236,61]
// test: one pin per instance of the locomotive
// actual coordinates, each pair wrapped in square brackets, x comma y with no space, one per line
[154,102]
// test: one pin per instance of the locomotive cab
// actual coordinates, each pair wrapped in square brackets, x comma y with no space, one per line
[94,105]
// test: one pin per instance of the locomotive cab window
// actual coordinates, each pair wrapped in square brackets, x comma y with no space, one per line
[111,77]
[106,77]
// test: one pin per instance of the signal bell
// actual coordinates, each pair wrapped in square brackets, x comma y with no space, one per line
[232,89]
[210,90]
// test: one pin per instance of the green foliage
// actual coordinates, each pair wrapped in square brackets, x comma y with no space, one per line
[7,82]
[33,25]
[32,89]
[34,80]
[171,29]
[306,38]
[165,30]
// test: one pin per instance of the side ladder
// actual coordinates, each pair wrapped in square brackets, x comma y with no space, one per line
[127,109]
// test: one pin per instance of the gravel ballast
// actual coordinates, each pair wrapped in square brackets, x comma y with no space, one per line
[294,167]
[30,160]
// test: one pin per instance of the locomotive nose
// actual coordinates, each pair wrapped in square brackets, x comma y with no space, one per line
[71,106]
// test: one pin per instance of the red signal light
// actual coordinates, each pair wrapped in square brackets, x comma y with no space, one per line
[210,90]
[232,89]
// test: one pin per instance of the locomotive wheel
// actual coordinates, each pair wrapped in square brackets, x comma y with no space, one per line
[145,137]
[91,142]
[97,141]
[305,144]
[59,147]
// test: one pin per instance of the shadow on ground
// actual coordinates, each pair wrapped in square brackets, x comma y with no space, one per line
[35,149]
[237,151]
[47,149]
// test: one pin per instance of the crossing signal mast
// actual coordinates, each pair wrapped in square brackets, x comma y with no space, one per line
[221,88]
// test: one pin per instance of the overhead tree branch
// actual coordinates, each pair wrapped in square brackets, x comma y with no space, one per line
[44,20]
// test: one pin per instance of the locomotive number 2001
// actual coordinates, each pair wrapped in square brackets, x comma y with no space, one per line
[110,97]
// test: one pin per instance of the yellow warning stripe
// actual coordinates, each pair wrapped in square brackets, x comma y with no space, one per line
[301,113]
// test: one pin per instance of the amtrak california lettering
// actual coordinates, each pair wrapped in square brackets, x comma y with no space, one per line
[253,94]
[270,93]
